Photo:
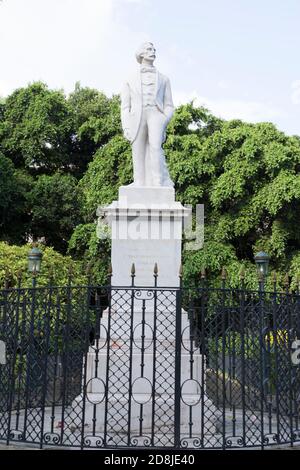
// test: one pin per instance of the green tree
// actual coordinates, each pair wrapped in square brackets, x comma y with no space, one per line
[55,209]
[7,188]
[2,108]
[14,264]
[14,210]
[36,129]
[85,245]
[246,175]
[96,120]
[110,168]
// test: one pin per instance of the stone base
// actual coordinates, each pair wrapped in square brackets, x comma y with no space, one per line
[149,406]
[163,422]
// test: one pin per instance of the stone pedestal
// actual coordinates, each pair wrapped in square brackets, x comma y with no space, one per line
[131,372]
[146,228]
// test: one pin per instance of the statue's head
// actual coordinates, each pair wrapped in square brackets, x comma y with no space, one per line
[146,51]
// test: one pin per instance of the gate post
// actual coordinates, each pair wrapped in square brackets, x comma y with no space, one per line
[177,367]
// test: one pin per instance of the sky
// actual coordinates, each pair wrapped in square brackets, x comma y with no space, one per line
[238,58]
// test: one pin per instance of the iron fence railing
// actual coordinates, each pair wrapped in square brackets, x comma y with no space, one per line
[107,366]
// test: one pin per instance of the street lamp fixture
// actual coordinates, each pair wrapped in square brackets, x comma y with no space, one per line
[34,260]
[262,263]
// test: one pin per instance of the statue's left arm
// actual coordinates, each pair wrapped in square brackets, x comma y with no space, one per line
[168,101]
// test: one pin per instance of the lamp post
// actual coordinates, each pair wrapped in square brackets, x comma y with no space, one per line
[262,265]
[34,262]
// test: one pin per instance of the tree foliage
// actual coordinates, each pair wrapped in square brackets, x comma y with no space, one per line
[14,265]
[85,244]
[45,131]
[110,169]
[246,175]
[96,119]
[62,157]
[14,187]
[55,209]
[36,129]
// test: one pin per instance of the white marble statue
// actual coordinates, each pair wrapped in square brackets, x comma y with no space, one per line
[146,109]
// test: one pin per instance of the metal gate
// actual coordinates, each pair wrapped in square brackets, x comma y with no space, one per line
[115,367]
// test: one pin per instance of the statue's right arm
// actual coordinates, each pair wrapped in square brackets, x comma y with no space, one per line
[125,110]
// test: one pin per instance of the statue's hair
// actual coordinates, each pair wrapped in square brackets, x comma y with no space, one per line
[141,50]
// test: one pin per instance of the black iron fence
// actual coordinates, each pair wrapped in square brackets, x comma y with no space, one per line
[180,367]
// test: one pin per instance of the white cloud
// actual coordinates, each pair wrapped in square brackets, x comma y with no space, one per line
[296,92]
[93,41]
[64,41]
[223,84]
[50,41]
[138,2]
[180,55]
[5,88]
[247,110]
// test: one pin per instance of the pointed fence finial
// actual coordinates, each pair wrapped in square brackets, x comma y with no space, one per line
[70,274]
[71,270]
[286,281]
[51,275]
[88,268]
[155,271]
[297,283]
[7,278]
[19,278]
[180,270]
[110,271]
[133,269]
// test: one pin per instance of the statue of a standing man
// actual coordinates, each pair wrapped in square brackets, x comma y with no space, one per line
[146,109]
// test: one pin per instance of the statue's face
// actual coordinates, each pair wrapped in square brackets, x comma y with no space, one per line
[149,52]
